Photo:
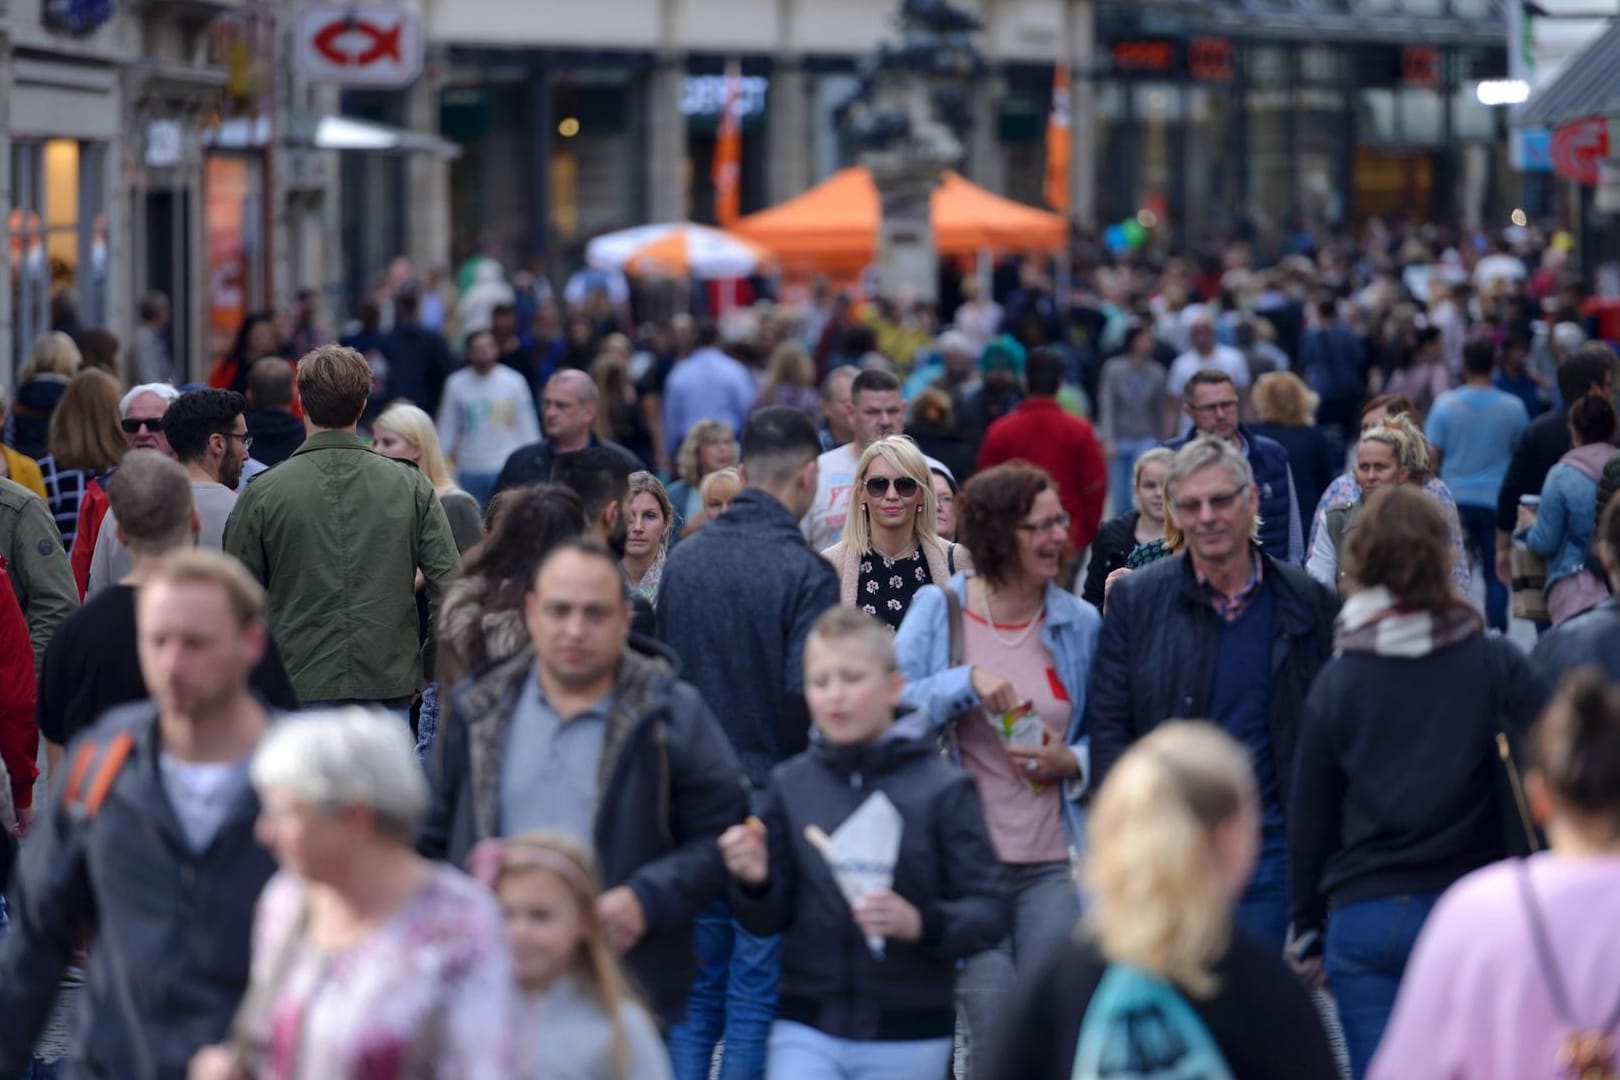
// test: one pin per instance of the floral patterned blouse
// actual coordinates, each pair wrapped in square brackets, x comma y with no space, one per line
[428,997]
[887,585]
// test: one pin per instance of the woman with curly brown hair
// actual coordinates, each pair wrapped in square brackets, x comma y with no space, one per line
[708,447]
[1002,661]
[1393,796]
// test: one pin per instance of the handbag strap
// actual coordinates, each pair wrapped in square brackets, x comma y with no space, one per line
[953,623]
[1496,678]
[1548,962]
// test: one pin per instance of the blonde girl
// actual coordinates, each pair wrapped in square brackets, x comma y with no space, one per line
[578,1019]
[1173,836]
[891,546]
[406,433]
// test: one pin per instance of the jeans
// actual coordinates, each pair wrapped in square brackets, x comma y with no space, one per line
[800,1052]
[479,485]
[1046,905]
[1365,955]
[1262,913]
[1479,538]
[733,997]
[1120,479]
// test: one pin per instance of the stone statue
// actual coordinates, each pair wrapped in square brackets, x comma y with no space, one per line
[907,118]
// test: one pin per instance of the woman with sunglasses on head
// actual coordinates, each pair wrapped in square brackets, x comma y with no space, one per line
[891,546]
[1001,662]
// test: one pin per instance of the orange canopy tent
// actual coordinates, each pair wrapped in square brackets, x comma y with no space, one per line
[833,227]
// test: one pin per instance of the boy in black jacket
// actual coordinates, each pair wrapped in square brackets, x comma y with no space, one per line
[873,985]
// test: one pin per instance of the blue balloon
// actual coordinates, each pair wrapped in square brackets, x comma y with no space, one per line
[1115,240]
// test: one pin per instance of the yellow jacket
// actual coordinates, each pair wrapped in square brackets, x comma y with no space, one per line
[25,471]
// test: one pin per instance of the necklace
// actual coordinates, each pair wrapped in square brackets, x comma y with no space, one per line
[1023,635]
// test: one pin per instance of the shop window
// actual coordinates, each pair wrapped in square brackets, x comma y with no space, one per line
[1375,117]
[1422,116]
[1471,119]
[57,231]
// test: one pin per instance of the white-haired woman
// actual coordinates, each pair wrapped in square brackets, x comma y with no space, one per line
[368,960]
[407,433]
[891,546]
[1173,836]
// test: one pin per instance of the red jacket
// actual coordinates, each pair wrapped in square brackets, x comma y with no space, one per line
[1041,433]
[19,731]
[92,512]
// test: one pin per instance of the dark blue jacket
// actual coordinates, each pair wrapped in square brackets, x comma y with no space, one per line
[737,602]
[1156,657]
[419,362]
[1334,362]
[172,927]
[1271,477]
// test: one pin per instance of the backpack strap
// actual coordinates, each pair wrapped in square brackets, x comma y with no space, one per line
[950,559]
[93,774]
[954,631]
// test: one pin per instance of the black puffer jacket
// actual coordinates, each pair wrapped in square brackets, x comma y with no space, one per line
[947,868]
[669,786]
[1112,546]
[1156,657]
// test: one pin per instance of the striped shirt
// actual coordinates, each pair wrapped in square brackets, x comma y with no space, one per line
[64,491]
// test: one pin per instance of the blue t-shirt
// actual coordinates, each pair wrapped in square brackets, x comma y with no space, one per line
[1476,428]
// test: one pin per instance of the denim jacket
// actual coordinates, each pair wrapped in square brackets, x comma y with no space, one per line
[1568,516]
[941,691]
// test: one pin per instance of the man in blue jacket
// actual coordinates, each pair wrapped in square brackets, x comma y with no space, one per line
[149,845]
[1223,631]
[737,603]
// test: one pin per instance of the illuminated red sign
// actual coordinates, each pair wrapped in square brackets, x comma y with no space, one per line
[1577,148]
[1210,59]
[1420,66]
[1143,55]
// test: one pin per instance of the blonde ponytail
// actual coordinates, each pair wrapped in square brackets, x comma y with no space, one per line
[1157,898]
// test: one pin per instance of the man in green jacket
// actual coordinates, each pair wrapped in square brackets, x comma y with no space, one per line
[37,563]
[337,534]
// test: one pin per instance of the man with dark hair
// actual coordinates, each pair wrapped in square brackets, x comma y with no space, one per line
[589,731]
[706,385]
[1589,370]
[1333,361]
[875,411]
[601,479]
[738,600]
[91,664]
[1211,400]
[486,416]
[275,430]
[1474,430]
[208,434]
[336,534]
[1041,433]
[419,361]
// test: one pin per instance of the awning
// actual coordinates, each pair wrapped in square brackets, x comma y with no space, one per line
[1589,85]
[326,132]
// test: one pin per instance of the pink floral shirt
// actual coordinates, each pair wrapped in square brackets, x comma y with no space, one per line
[429,995]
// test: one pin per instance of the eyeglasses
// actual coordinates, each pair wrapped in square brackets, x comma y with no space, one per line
[1216,407]
[1056,521]
[1218,503]
[904,486]
[247,440]
[131,425]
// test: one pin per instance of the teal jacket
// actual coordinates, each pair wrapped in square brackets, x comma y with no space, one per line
[336,534]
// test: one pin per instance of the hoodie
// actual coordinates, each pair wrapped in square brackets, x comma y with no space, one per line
[946,868]
[276,434]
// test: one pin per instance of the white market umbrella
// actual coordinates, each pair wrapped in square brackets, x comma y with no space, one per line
[677,250]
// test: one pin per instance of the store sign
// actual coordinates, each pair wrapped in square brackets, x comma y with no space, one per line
[75,16]
[705,95]
[1578,148]
[364,45]
[1153,55]
[165,144]
[1420,66]
[1530,150]
[1210,59]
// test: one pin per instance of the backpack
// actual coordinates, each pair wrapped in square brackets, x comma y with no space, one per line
[1139,1027]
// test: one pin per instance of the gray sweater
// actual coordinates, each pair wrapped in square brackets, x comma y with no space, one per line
[568,1036]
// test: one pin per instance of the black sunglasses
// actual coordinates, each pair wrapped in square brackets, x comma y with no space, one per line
[878,486]
[153,424]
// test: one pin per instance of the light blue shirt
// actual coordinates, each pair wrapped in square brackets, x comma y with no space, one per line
[708,385]
[1476,428]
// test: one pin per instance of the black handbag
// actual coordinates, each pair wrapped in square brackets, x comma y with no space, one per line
[1519,832]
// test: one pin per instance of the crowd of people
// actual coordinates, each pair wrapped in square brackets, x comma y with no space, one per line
[1097,681]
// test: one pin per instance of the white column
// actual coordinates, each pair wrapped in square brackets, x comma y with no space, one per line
[1083,163]
[986,162]
[427,178]
[789,139]
[666,159]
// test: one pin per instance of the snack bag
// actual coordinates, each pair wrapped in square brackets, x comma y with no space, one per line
[1021,726]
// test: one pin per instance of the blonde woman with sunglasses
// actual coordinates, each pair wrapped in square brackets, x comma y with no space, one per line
[891,546]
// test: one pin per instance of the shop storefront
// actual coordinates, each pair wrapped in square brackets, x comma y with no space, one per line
[1214,135]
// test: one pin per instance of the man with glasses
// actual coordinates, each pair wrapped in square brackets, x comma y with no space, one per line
[1212,401]
[142,411]
[1224,631]
[207,430]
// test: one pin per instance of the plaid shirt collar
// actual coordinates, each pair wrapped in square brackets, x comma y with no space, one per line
[1231,608]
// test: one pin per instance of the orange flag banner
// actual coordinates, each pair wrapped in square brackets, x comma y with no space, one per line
[1059,143]
[726,170]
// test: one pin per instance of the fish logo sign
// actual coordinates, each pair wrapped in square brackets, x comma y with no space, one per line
[361,45]
[359,42]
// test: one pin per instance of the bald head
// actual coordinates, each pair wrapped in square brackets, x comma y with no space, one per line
[150,495]
[569,409]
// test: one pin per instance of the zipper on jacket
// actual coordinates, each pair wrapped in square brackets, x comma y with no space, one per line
[661,742]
